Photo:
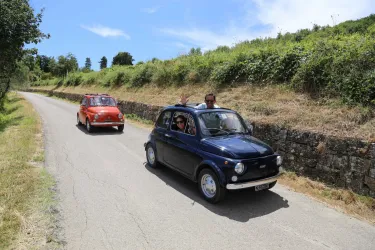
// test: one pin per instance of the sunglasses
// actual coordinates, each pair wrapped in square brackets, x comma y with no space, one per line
[210,101]
[179,122]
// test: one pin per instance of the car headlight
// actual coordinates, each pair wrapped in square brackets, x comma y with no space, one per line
[96,117]
[120,116]
[279,160]
[239,168]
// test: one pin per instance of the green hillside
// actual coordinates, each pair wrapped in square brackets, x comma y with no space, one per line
[324,61]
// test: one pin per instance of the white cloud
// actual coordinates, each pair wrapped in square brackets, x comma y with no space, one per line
[207,39]
[150,10]
[267,18]
[106,31]
[181,45]
[291,15]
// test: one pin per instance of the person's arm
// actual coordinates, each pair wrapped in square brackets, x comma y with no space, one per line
[201,106]
[183,100]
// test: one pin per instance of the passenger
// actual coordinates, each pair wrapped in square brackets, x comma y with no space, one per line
[181,123]
[209,102]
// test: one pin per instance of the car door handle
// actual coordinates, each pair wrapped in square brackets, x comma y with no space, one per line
[168,135]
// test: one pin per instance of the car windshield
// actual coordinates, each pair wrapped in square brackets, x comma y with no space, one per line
[102,101]
[220,123]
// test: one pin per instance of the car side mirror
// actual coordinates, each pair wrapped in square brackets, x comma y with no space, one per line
[250,127]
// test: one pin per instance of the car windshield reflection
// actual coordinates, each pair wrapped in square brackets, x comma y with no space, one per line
[102,101]
[220,123]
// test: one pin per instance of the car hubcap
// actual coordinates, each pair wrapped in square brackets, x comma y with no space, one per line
[208,186]
[151,155]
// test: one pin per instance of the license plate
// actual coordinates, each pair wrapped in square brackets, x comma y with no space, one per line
[261,187]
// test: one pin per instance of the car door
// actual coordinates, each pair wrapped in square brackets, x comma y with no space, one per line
[83,110]
[160,132]
[180,150]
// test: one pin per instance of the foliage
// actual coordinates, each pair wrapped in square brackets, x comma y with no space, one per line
[88,64]
[64,65]
[18,26]
[44,63]
[103,62]
[324,61]
[123,58]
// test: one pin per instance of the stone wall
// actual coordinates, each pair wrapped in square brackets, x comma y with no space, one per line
[342,162]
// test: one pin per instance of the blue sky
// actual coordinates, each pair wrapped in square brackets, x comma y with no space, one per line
[167,28]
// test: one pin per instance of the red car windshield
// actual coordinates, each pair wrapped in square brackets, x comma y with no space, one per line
[102,101]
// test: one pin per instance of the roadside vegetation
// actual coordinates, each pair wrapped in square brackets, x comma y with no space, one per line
[26,195]
[320,79]
[323,61]
[361,207]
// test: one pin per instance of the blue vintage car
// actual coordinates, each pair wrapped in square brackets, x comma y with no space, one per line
[213,147]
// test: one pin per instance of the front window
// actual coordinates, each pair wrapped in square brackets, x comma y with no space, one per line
[184,123]
[220,123]
[102,101]
[163,120]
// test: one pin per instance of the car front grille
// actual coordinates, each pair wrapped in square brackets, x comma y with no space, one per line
[256,169]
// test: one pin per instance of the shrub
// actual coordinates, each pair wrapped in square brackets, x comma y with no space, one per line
[141,75]
[329,61]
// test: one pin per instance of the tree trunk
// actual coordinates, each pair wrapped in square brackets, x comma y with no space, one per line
[3,93]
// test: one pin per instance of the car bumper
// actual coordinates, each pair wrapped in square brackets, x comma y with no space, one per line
[107,123]
[250,184]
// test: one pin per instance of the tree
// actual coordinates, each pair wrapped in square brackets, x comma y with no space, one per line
[18,26]
[44,63]
[195,52]
[103,62]
[123,58]
[88,64]
[64,65]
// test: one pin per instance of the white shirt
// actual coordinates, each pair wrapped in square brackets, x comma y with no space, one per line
[204,106]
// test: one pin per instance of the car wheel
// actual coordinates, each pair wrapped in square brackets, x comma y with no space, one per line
[79,123]
[210,187]
[120,128]
[88,126]
[151,156]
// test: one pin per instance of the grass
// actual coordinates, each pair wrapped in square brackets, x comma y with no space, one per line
[361,207]
[139,121]
[26,197]
[275,104]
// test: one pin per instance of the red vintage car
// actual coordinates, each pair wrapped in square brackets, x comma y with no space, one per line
[100,110]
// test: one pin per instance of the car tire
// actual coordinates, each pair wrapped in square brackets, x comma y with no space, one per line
[120,128]
[151,156]
[88,126]
[213,192]
[79,123]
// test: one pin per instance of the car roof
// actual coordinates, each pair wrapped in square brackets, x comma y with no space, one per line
[92,95]
[191,107]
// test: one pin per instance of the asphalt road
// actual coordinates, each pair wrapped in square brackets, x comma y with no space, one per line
[111,200]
